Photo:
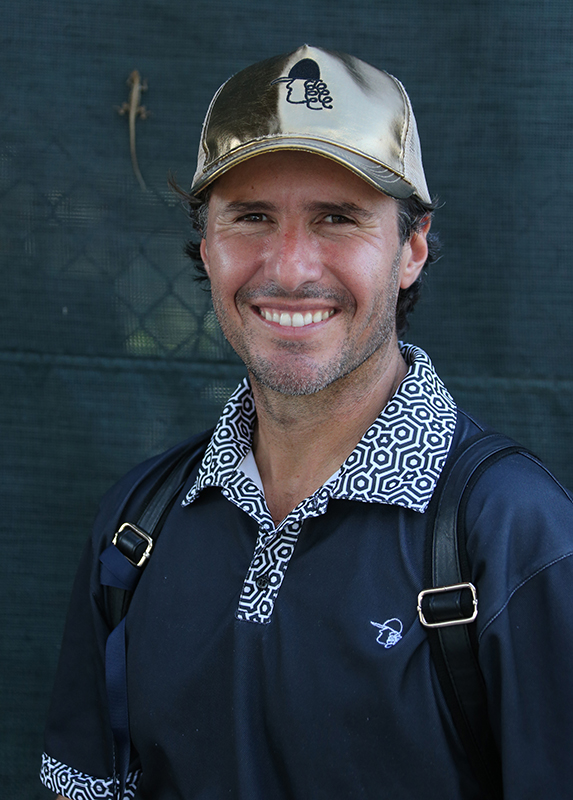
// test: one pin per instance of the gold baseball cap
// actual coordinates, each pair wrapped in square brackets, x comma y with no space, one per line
[321,102]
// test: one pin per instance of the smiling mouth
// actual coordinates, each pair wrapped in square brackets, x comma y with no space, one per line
[296,319]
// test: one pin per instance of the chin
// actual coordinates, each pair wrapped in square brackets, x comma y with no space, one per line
[293,385]
[296,381]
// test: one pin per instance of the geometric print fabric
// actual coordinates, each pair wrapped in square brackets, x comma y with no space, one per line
[75,785]
[398,461]
[266,572]
[400,457]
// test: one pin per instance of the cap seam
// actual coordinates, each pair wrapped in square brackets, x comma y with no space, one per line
[207,120]
[406,122]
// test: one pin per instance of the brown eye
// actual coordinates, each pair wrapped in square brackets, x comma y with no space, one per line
[253,218]
[337,219]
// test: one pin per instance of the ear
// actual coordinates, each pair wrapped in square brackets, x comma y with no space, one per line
[204,255]
[415,255]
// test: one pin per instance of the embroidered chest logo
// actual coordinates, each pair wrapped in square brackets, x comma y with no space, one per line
[304,86]
[390,632]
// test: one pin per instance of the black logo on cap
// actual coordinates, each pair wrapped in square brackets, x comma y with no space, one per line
[304,86]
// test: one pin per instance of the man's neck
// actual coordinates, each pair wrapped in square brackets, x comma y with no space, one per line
[300,442]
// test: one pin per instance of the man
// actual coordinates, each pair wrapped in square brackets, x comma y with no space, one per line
[273,645]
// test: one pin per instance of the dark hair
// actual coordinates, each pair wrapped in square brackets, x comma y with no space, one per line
[412,216]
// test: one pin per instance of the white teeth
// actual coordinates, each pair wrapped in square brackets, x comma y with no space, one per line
[297,319]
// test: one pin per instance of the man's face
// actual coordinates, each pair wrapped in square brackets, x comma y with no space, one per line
[305,265]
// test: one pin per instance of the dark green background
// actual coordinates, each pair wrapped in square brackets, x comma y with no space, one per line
[109,352]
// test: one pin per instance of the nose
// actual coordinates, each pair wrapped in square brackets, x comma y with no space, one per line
[293,259]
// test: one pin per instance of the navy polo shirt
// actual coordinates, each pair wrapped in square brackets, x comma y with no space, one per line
[289,662]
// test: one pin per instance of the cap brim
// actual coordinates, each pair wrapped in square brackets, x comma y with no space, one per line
[378,176]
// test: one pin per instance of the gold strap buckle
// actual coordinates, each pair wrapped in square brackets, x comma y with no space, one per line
[128,538]
[448,622]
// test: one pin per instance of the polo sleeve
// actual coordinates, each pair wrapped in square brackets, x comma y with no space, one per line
[524,568]
[78,758]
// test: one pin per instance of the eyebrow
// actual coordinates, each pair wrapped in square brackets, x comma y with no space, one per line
[342,209]
[247,206]
[324,207]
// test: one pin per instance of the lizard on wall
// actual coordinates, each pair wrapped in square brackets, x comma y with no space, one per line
[133,108]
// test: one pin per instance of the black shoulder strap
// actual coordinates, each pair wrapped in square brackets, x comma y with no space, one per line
[133,543]
[122,564]
[448,609]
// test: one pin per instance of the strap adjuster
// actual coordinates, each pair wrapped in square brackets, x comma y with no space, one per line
[129,540]
[457,587]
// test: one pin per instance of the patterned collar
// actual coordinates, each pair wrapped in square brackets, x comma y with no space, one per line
[398,460]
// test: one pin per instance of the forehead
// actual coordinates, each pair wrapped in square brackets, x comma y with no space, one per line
[294,174]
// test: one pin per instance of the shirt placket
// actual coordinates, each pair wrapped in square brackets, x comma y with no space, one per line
[273,551]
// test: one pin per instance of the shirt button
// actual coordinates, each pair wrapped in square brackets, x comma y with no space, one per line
[263,582]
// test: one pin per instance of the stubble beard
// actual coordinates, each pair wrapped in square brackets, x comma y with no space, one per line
[296,374]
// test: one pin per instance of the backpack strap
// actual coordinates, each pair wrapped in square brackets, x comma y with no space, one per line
[122,564]
[448,610]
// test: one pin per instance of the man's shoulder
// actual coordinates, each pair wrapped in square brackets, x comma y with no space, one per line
[518,479]
[131,493]
[518,523]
